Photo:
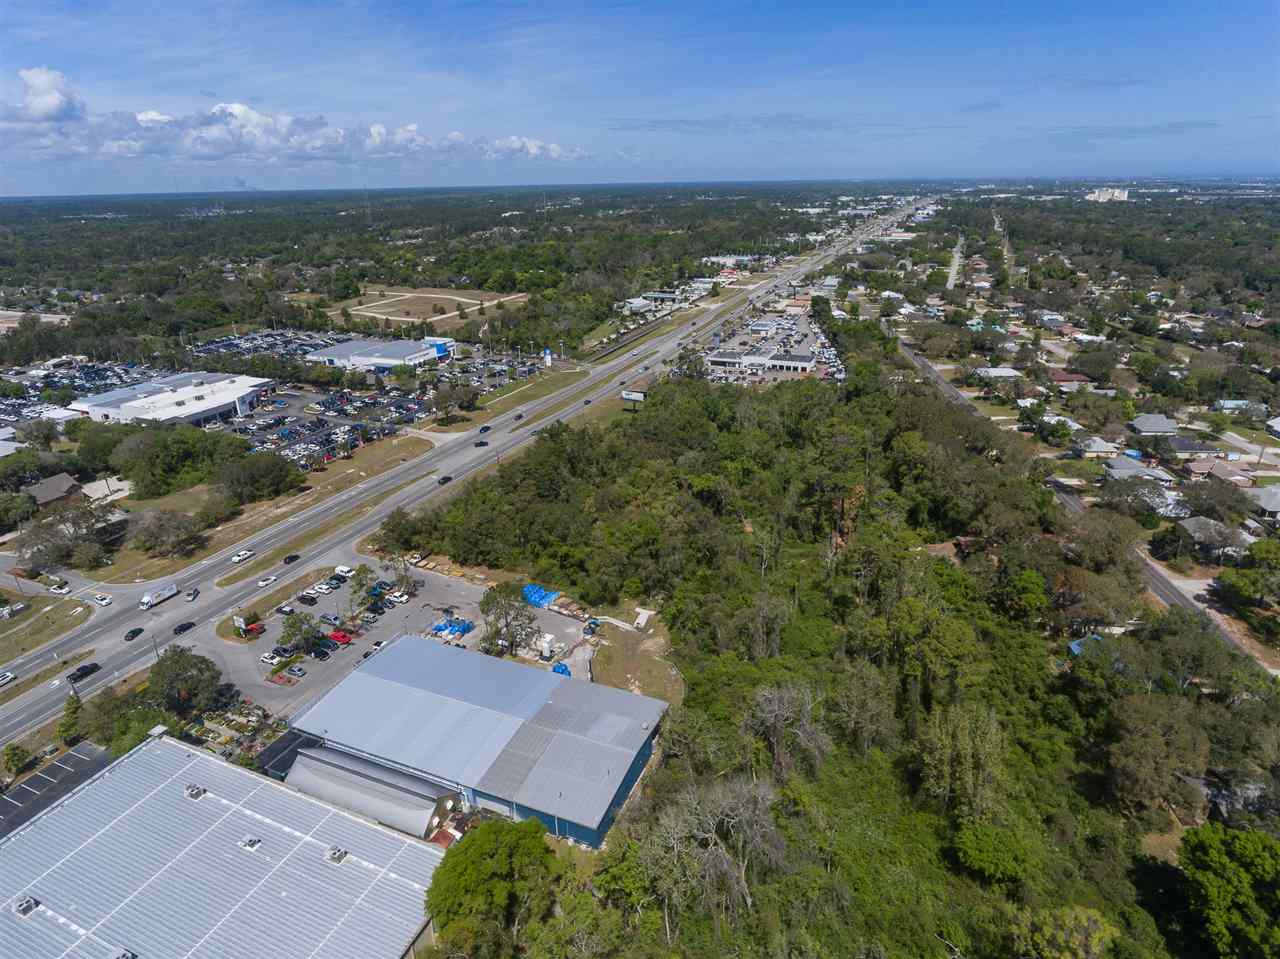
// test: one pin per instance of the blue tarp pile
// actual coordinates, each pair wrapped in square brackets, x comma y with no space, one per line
[561,668]
[453,627]
[539,596]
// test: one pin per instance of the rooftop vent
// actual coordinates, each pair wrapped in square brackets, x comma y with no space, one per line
[122,954]
[335,854]
[250,843]
[26,905]
[194,791]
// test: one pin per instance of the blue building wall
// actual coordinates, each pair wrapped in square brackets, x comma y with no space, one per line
[588,835]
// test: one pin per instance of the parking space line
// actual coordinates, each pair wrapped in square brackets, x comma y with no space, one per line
[50,778]
[58,762]
[29,788]
[14,801]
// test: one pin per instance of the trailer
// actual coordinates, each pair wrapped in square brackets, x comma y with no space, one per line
[158,596]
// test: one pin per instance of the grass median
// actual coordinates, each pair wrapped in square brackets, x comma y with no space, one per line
[544,385]
[24,683]
[131,565]
[301,542]
[577,398]
[47,619]
[265,603]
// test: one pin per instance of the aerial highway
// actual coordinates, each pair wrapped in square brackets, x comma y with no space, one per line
[455,455]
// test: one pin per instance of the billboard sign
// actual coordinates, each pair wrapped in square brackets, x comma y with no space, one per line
[634,396]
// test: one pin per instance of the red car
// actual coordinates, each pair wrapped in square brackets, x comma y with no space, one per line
[339,637]
[257,629]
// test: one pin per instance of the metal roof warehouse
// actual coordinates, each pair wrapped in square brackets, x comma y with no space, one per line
[382,355]
[509,738]
[172,853]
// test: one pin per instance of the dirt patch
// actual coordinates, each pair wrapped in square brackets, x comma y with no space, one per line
[441,308]
[636,660]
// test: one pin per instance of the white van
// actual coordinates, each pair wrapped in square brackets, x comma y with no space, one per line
[345,571]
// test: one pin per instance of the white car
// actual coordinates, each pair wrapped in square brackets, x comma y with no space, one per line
[399,598]
[323,588]
[310,591]
[102,599]
[62,589]
[267,581]
[241,556]
[7,678]
[345,571]
[269,659]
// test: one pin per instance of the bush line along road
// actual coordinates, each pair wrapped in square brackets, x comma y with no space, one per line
[454,455]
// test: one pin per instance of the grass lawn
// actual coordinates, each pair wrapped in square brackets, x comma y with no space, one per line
[48,618]
[24,683]
[1077,468]
[634,661]
[266,602]
[131,565]
[992,410]
[1261,437]
[497,404]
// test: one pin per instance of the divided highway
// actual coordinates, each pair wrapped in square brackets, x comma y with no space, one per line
[454,455]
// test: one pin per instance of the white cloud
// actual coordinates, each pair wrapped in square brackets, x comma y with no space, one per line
[52,120]
[47,97]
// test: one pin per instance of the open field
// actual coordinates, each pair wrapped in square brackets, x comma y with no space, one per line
[131,565]
[264,604]
[24,683]
[409,305]
[634,661]
[48,618]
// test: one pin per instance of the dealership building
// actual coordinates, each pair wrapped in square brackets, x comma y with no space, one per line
[380,356]
[421,722]
[195,398]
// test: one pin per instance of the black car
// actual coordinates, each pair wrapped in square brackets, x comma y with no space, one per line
[376,608]
[586,402]
[444,479]
[83,671]
[306,600]
[337,578]
[182,628]
[133,634]
[291,558]
[518,416]
[319,655]
[485,429]
[482,443]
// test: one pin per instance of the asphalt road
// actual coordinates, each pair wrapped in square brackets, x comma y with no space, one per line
[454,455]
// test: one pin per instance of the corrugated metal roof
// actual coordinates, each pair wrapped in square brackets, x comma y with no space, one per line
[558,745]
[384,795]
[128,861]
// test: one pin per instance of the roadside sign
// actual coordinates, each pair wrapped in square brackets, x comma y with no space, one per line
[634,396]
[238,622]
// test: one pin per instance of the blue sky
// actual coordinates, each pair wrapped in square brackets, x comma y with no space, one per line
[107,96]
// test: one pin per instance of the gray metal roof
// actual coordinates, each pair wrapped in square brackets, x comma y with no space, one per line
[558,745]
[127,861]
[371,349]
[162,384]
[384,795]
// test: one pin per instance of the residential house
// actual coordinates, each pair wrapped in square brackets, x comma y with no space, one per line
[1216,541]
[52,489]
[1153,424]
[1199,469]
[1273,426]
[1125,468]
[1095,447]
[995,373]
[1186,448]
[1267,502]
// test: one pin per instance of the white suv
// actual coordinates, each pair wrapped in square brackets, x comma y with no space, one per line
[241,556]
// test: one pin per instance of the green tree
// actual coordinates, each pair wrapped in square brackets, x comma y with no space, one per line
[1233,885]
[68,729]
[507,618]
[16,758]
[1065,932]
[1156,745]
[500,873]
[184,681]
[299,631]
[962,756]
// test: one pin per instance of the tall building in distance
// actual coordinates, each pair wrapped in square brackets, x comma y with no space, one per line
[1107,194]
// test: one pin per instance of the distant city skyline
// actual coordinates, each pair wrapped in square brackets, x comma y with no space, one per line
[143,97]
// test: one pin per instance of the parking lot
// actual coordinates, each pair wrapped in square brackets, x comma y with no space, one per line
[53,778]
[286,344]
[437,596]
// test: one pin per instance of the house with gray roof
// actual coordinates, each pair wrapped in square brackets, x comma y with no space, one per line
[1266,502]
[509,738]
[1153,424]
[1124,468]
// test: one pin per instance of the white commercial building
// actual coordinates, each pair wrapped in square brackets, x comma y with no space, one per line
[381,356]
[194,398]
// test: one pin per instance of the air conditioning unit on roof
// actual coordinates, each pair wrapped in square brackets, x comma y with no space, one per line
[26,905]
[250,843]
[195,792]
[335,854]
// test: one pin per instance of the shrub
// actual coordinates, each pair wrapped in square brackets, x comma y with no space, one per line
[991,853]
